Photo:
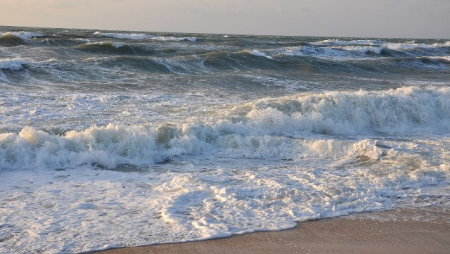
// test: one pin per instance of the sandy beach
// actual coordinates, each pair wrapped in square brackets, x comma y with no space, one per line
[405,230]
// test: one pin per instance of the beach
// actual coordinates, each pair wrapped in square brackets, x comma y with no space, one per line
[404,230]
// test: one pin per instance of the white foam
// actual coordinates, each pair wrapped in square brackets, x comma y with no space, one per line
[333,52]
[12,64]
[364,49]
[124,36]
[23,35]
[343,49]
[171,38]
[145,36]
[98,209]
[412,46]
[258,129]
[390,45]
[258,53]
[445,58]
[331,42]
[260,165]
[106,43]
[402,110]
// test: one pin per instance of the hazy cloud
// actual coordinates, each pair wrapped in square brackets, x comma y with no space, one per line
[381,18]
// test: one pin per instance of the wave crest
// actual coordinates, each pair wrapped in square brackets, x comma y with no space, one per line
[12,64]
[134,36]
[284,128]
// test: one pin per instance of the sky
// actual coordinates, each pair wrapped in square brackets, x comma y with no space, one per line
[343,18]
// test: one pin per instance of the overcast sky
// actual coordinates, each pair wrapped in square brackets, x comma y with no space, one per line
[357,18]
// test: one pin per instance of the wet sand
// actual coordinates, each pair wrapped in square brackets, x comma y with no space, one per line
[407,230]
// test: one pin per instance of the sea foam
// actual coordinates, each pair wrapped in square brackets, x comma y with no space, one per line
[12,64]
[268,128]
[22,35]
[145,37]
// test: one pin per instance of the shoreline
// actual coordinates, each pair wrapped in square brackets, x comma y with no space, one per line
[401,230]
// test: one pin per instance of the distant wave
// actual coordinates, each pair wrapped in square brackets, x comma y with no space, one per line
[145,37]
[265,128]
[114,48]
[123,36]
[9,39]
[103,44]
[22,35]
[343,53]
[257,53]
[332,42]
[348,50]
[390,45]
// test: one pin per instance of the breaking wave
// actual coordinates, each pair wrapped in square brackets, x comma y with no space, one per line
[339,49]
[295,127]
[12,64]
[22,35]
[118,48]
[145,37]
[10,39]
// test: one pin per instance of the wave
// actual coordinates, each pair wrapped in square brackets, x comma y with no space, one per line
[404,110]
[12,64]
[171,38]
[115,145]
[114,48]
[145,37]
[390,45]
[256,53]
[293,128]
[348,50]
[103,44]
[355,59]
[123,36]
[440,58]
[10,39]
[331,42]
[23,35]
[153,65]
[339,53]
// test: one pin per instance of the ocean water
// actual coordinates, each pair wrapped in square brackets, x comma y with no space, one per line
[118,138]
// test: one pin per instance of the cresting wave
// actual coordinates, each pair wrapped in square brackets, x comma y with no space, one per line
[22,35]
[101,45]
[114,48]
[145,37]
[292,128]
[16,38]
[348,49]
[12,64]
[390,45]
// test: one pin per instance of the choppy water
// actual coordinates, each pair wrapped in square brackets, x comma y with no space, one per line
[115,138]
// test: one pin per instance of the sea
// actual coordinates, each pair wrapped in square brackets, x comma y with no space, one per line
[123,138]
